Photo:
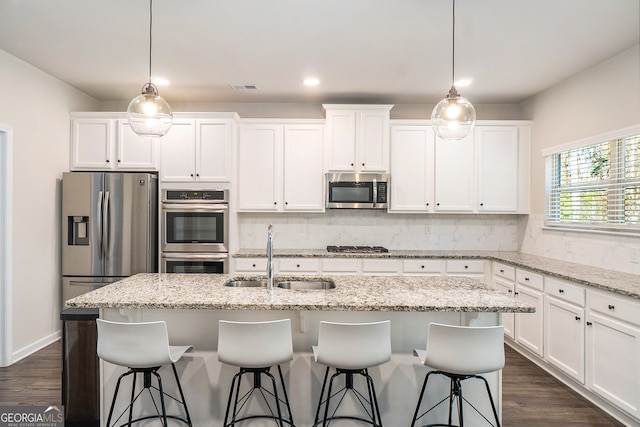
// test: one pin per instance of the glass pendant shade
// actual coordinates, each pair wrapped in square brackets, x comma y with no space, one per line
[453,118]
[149,114]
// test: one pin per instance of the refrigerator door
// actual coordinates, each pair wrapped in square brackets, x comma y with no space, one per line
[82,223]
[130,215]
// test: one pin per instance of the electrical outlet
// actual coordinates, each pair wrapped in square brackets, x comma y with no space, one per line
[635,256]
[427,229]
[568,246]
[491,230]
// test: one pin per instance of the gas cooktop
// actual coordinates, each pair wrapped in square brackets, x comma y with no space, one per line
[357,249]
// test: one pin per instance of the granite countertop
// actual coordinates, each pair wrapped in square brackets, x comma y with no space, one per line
[352,293]
[609,280]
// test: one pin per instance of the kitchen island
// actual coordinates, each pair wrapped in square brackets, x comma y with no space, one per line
[193,304]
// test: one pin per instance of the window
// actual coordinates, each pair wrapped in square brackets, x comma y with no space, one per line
[595,186]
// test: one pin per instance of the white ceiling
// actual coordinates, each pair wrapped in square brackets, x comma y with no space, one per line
[379,51]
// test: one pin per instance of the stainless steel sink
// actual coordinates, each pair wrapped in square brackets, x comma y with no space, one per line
[306,284]
[247,283]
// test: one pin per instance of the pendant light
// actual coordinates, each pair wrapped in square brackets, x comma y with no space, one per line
[453,117]
[148,113]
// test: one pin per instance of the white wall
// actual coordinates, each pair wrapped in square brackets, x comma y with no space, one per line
[598,100]
[36,105]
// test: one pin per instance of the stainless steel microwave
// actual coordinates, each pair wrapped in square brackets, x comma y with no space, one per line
[357,191]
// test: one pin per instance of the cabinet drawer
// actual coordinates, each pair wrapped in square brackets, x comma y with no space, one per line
[505,271]
[340,265]
[465,266]
[615,306]
[304,265]
[381,266]
[422,266]
[565,290]
[530,279]
[251,264]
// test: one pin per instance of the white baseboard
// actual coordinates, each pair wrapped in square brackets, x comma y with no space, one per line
[38,345]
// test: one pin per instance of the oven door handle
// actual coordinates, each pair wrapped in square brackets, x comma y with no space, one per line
[189,257]
[194,207]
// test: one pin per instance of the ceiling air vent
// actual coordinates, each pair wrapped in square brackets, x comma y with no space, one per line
[244,87]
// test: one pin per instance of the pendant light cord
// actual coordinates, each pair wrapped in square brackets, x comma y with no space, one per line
[150,38]
[453,44]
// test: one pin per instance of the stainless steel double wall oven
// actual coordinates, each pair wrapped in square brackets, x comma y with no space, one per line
[195,231]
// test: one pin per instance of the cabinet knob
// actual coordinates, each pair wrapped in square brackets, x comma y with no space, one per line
[119,161]
[515,293]
[422,266]
[466,266]
[363,164]
[509,291]
[198,175]
[107,160]
[481,204]
[297,265]
[611,307]
[561,291]
[526,279]
[275,203]
[427,204]
[351,164]
[191,175]
[577,317]
[253,265]
[589,323]
[286,203]
[437,204]
[501,270]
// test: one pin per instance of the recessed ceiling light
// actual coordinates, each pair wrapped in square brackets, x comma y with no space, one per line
[160,81]
[311,81]
[463,82]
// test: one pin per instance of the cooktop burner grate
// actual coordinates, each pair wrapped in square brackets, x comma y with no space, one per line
[357,249]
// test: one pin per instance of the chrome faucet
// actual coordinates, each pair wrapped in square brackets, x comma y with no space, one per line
[270,256]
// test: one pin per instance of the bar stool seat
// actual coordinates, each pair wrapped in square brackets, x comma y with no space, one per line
[143,348]
[461,353]
[255,347]
[350,349]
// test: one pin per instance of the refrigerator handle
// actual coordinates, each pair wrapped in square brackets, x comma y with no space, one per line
[107,229]
[99,221]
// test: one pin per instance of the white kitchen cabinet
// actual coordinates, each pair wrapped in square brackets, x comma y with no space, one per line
[251,265]
[357,138]
[412,169]
[613,349]
[280,168]
[197,150]
[529,327]
[454,175]
[473,268]
[380,267]
[564,320]
[298,266]
[343,266]
[423,267]
[504,277]
[497,165]
[108,143]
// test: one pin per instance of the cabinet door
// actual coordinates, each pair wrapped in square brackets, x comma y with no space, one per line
[454,175]
[91,143]
[530,326]
[341,141]
[213,155]
[177,152]
[303,177]
[508,319]
[497,168]
[412,168]
[373,141]
[613,371]
[134,152]
[564,337]
[259,167]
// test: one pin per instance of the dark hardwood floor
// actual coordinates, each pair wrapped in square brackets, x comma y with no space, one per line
[531,398]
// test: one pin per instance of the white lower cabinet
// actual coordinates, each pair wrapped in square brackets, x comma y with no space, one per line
[529,327]
[297,266]
[343,266]
[473,268]
[380,267]
[251,265]
[613,350]
[508,319]
[423,267]
[564,320]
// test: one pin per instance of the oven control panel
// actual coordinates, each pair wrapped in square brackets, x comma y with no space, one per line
[211,196]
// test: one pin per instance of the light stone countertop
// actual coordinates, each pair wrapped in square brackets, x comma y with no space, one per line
[352,293]
[609,280]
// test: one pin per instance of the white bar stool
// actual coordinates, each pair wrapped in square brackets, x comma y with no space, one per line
[255,347]
[461,353]
[351,348]
[143,348]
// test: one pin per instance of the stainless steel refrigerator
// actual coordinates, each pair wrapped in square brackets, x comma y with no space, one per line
[109,228]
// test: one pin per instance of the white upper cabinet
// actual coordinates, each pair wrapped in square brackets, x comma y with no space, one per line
[486,172]
[454,175]
[357,138]
[412,160]
[101,141]
[280,167]
[197,150]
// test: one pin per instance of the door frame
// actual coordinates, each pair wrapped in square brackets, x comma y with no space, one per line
[6,242]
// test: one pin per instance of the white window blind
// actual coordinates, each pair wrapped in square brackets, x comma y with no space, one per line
[595,186]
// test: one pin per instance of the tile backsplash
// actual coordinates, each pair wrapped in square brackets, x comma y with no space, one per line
[375,228]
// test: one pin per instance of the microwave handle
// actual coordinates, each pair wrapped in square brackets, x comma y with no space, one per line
[375,192]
